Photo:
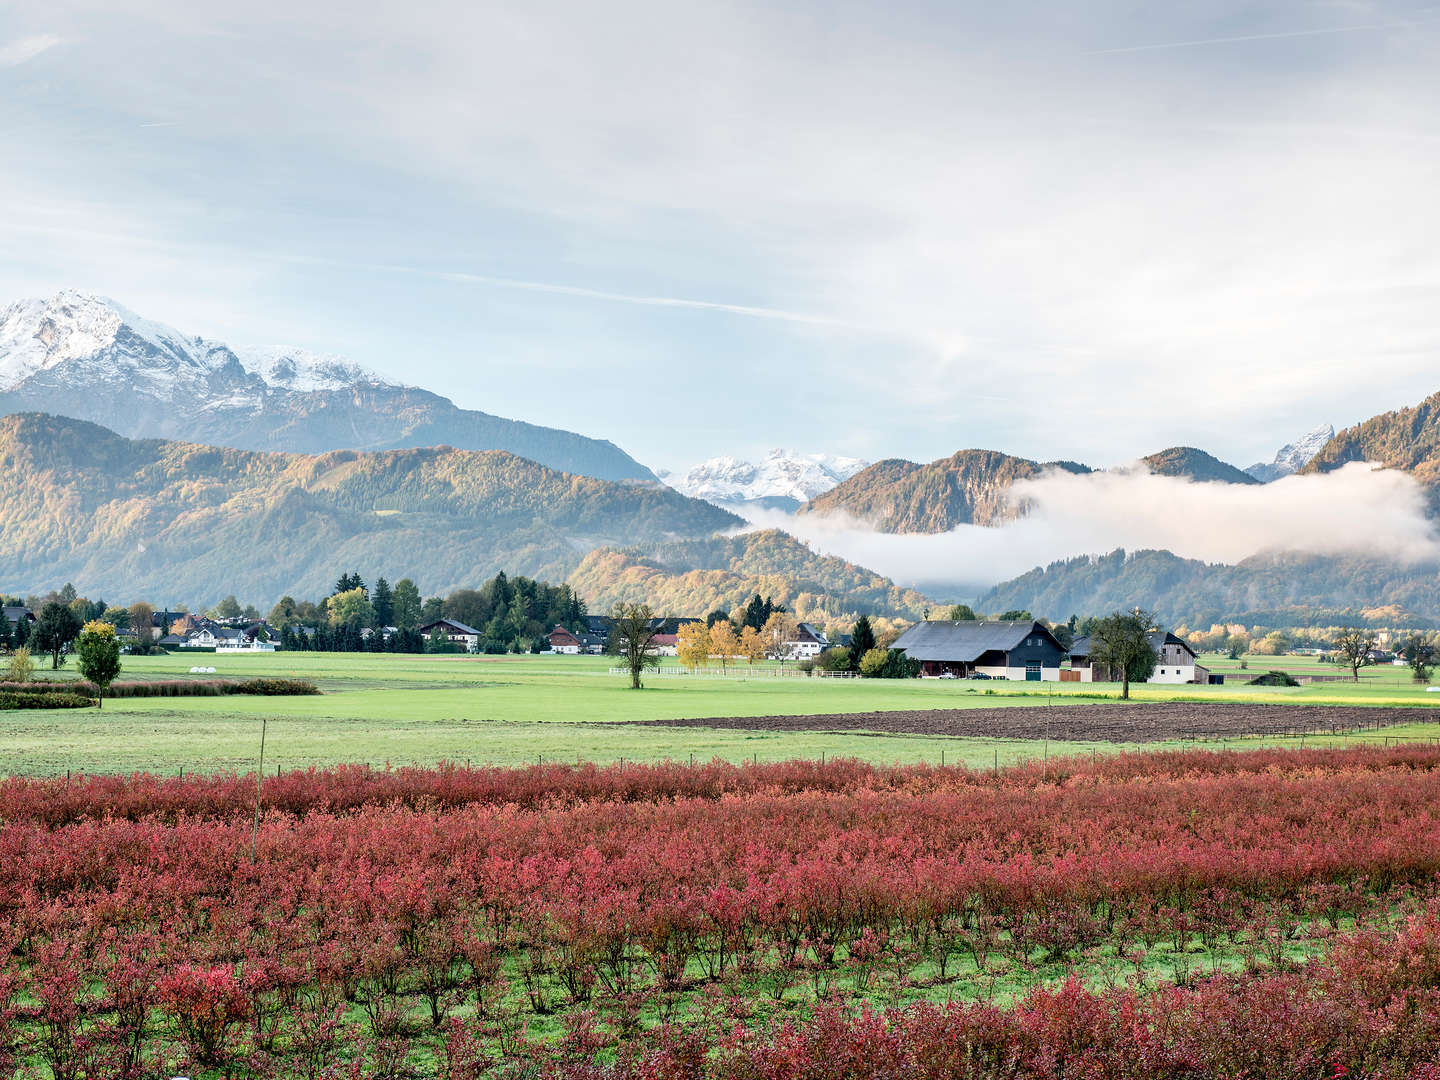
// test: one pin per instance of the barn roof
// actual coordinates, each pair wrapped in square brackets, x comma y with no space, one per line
[967,641]
[1157,638]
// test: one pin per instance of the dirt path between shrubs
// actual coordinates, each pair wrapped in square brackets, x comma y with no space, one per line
[1103,722]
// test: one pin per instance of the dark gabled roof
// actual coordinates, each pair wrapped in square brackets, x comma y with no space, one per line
[18,612]
[814,631]
[1157,639]
[454,624]
[965,642]
[598,624]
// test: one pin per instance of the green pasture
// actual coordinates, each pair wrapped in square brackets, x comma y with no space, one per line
[398,709]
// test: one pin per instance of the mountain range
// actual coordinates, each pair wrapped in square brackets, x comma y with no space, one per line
[275,466]
[86,356]
[173,520]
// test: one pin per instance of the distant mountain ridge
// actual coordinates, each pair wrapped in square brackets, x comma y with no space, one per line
[1292,457]
[782,480]
[971,487]
[1407,439]
[1270,589]
[89,357]
[722,572]
[127,518]
[1197,465]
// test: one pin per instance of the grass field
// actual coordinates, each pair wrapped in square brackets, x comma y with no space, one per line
[512,710]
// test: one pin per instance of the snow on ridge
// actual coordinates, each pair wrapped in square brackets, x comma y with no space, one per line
[288,368]
[1292,457]
[781,474]
[38,334]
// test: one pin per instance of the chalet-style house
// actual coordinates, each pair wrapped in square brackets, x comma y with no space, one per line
[563,641]
[454,631]
[808,642]
[998,649]
[1175,662]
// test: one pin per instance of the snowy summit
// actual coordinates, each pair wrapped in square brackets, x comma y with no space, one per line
[783,479]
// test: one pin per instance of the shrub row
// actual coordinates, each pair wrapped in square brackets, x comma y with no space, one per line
[167,687]
[13,700]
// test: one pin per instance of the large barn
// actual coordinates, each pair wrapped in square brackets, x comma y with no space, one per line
[1000,649]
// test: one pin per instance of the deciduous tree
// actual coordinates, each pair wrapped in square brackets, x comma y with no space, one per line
[98,655]
[752,645]
[633,628]
[724,643]
[692,645]
[142,621]
[1120,642]
[1355,646]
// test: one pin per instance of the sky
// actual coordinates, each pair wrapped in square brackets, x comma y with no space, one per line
[1062,230]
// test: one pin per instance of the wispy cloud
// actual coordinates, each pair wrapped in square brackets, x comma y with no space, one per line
[26,48]
[1238,38]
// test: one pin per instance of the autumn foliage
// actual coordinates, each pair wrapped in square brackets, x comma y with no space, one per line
[420,920]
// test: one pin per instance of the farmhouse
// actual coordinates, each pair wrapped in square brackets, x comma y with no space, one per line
[563,641]
[808,642]
[1000,649]
[453,631]
[1175,661]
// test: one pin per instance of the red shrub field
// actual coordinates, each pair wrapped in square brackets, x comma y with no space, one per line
[1265,914]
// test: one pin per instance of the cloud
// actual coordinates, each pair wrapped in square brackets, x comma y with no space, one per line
[1355,509]
[26,48]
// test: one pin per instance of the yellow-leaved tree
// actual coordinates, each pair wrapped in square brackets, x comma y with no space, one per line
[752,645]
[724,644]
[692,644]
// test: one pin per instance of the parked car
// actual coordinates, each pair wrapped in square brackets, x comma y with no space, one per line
[948,675]
[980,675]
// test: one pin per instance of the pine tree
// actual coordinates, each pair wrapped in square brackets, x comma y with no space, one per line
[383,601]
[22,631]
[7,639]
[862,638]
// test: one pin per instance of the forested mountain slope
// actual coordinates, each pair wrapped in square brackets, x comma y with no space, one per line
[185,522]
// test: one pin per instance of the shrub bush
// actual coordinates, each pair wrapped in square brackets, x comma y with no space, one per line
[13,700]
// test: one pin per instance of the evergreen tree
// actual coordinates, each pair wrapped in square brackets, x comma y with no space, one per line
[383,601]
[406,602]
[7,637]
[22,631]
[862,638]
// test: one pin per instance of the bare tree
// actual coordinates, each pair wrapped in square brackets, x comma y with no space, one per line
[632,634]
[1354,647]
[1121,642]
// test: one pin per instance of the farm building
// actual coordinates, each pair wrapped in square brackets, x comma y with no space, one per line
[1000,649]
[1175,661]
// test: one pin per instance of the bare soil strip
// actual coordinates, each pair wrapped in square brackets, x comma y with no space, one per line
[1104,722]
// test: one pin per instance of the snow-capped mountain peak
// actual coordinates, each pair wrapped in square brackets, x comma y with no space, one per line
[781,475]
[1292,457]
[108,339]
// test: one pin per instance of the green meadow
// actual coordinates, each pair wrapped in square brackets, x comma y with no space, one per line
[400,710]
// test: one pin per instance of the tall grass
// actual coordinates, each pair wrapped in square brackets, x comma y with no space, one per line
[165,688]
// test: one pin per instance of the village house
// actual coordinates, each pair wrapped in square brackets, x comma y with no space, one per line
[808,642]
[454,631]
[1175,662]
[990,648]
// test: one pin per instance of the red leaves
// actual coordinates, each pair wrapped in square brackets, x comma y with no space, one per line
[385,904]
